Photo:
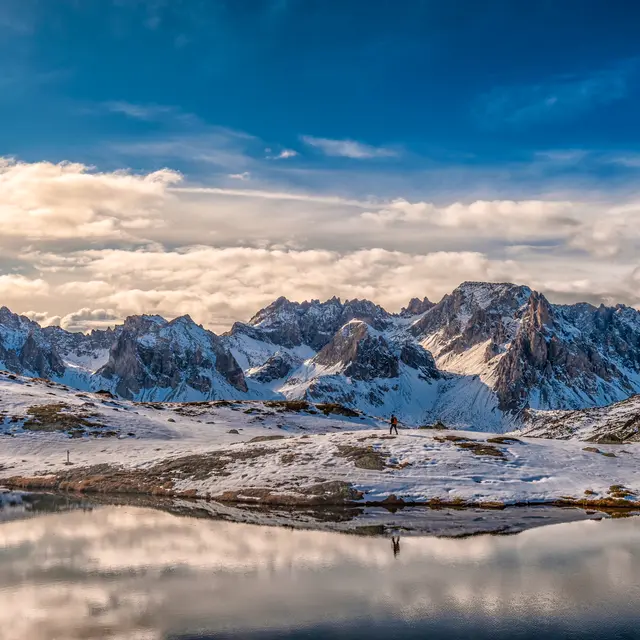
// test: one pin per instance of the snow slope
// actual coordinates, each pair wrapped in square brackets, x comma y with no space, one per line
[614,423]
[418,465]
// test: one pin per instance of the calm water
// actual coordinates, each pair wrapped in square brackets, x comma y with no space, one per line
[132,573]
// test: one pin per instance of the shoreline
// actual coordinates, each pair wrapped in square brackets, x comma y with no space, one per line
[280,454]
[374,520]
[264,497]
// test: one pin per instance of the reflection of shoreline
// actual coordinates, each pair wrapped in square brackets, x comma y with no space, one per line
[357,520]
[148,569]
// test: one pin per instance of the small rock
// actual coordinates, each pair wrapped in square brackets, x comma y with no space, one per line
[234,431]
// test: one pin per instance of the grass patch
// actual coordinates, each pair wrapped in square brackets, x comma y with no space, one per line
[265,438]
[477,448]
[440,426]
[451,438]
[363,457]
[62,417]
[333,408]
[503,440]
[287,405]
[620,491]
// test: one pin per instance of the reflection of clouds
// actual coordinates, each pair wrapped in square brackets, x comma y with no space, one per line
[133,573]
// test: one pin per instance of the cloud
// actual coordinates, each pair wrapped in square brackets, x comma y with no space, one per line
[504,218]
[139,111]
[558,99]
[43,200]
[217,286]
[348,148]
[120,243]
[245,175]
[21,287]
[86,319]
[218,146]
[283,155]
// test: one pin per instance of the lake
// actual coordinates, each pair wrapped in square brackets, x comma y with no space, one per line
[130,572]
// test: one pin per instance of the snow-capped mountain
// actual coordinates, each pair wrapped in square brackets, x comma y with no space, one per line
[486,356]
[25,349]
[370,370]
[146,358]
[612,424]
[531,353]
[178,360]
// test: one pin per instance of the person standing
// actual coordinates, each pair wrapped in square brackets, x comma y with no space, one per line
[394,424]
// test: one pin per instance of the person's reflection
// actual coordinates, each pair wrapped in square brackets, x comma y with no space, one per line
[395,543]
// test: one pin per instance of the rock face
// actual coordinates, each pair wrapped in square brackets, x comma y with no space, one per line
[531,353]
[373,371]
[612,424]
[24,348]
[416,307]
[474,313]
[570,358]
[277,367]
[361,355]
[292,324]
[146,357]
[153,358]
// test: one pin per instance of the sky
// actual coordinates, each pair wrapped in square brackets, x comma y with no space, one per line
[205,157]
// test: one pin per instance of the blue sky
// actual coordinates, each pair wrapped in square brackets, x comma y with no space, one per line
[302,126]
[437,84]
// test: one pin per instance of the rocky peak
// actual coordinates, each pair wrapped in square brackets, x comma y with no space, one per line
[313,323]
[474,313]
[365,310]
[13,321]
[151,353]
[416,307]
[140,324]
[539,313]
[24,348]
[361,352]
[277,367]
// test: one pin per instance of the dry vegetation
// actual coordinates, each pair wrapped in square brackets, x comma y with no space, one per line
[59,416]
[363,457]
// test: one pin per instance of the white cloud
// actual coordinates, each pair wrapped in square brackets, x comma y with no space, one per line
[217,286]
[140,111]
[18,287]
[348,148]
[85,319]
[43,200]
[497,218]
[283,155]
[245,175]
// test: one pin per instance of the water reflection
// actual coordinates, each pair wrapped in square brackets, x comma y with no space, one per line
[125,572]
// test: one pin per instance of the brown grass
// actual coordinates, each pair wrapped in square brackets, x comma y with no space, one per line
[287,405]
[333,408]
[363,457]
[60,416]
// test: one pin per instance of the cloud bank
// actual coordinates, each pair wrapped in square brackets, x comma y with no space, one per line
[84,248]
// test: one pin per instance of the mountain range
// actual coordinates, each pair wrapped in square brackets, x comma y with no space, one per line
[486,356]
